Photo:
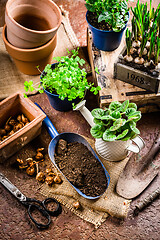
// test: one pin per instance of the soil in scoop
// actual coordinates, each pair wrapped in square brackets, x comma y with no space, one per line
[81,168]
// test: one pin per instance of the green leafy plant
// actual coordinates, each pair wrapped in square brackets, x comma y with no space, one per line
[117,122]
[145,34]
[67,79]
[113,12]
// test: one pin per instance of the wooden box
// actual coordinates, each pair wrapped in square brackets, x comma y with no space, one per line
[12,106]
[113,89]
[134,76]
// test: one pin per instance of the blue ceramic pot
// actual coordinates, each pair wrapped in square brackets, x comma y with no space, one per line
[56,102]
[105,40]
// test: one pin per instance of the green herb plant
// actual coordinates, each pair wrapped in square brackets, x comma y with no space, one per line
[117,122]
[128,35]
[113,12]
[145,33]
[67,80]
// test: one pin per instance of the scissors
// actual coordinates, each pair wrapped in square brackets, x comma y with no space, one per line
[33,204]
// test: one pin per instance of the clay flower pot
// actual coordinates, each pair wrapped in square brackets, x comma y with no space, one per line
[27,60]
[31,23]
[13,106]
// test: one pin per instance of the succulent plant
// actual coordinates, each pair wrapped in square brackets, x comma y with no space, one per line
[117,122]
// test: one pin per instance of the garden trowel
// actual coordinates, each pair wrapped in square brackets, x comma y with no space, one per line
[139,172]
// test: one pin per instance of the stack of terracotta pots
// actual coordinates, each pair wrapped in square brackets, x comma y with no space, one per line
[30,33]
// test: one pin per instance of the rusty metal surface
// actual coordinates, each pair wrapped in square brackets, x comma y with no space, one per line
[14,222]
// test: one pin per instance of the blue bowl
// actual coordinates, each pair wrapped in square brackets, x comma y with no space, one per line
[105,40]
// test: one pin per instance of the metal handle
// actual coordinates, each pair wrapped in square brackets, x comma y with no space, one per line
[85,112]
[49,125]
[33,207]
[139,145]
[58,208]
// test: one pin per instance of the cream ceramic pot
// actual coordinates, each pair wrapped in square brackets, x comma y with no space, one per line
[111,151]
[31,23]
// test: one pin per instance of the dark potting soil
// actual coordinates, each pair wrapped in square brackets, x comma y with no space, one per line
[81,168]
[149,69]
[93,20]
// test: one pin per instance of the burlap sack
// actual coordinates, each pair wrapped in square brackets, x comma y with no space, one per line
[93,211]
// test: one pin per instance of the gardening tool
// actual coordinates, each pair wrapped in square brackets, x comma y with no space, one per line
[69,137]
[146,201]
[33,204]
[139,173]
[111,151]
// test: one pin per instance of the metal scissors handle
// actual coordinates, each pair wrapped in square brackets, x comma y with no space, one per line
[33,204]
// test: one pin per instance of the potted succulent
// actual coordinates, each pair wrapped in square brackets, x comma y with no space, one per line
[142,50]
[64,82]
[114,129]
[107,21]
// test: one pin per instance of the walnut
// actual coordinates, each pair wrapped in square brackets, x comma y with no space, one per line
[48,170]
[7,127]
[30,170]
[29,161]
[39,156]
[24,119]
[49,180]
[20,161]
[40,177]
[77,205]
[19,118]
[57,179]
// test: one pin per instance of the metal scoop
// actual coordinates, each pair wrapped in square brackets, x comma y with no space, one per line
[111,151]
[69,137]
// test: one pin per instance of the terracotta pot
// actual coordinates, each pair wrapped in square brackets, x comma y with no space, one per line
[31,23]
[27,60]
[13,106]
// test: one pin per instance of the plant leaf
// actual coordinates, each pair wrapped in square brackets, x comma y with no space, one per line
[136,116]
[113,106]
[132,105]
[130,112]
[123,134]
[107,117]
[132,125]
[109,136]
[97,131]
[129,135]
[116,114]
[116,125]
[97,113]
[124,106]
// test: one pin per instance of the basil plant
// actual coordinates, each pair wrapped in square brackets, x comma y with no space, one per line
[117,122]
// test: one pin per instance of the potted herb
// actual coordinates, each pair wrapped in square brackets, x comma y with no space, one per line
[115,129]
[142,49]
[64,82]
[107,20]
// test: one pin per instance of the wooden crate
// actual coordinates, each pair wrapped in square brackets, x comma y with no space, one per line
[12,106]
[135,77]
[114,89]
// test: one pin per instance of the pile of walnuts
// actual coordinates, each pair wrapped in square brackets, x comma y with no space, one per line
[32,169]
[12,125]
